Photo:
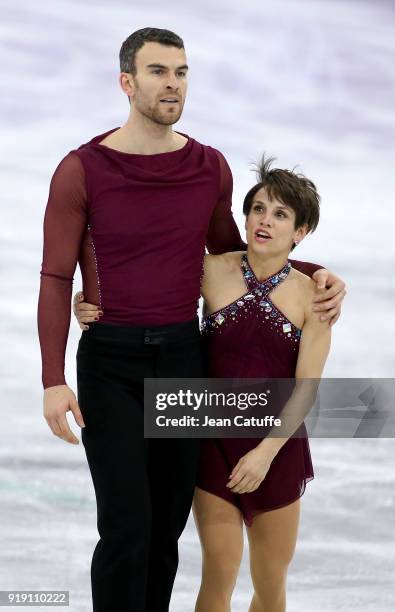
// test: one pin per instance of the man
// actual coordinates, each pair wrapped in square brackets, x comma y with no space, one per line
[135,207]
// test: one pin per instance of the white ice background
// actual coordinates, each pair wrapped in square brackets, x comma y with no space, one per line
[311,82]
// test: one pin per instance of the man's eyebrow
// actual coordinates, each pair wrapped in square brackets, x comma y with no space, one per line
[184,67]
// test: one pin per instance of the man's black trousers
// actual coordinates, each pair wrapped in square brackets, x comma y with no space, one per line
[144,487]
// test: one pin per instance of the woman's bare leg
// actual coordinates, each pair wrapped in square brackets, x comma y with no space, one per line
[220,528]
[272,539]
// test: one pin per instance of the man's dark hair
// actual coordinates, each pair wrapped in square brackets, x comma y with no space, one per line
[291,188]
[134,42]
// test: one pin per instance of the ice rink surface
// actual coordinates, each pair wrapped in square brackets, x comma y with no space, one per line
[310,82]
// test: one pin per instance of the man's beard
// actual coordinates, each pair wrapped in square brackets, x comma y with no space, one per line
[156,113]
[157,116]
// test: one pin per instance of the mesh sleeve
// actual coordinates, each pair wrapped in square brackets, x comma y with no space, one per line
[305,267]
[65,222]
[223,234]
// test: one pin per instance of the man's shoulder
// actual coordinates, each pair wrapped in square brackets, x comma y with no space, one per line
[220,159]
[95,140]
[70,167]
[85,150]
[209,148]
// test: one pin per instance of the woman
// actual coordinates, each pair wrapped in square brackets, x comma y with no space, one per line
[256,308]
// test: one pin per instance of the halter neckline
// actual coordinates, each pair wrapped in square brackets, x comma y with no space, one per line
[256,301]
[268,283]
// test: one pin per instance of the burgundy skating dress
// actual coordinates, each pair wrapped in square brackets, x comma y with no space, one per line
[251,338]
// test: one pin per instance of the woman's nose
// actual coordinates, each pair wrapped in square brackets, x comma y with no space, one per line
[265,220]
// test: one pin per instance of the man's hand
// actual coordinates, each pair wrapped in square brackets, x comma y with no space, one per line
[85,312]
[57,401]
[251,469]
[331,292]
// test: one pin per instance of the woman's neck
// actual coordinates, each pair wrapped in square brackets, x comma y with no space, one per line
[264,266]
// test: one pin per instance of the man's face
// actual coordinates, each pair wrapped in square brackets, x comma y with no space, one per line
[160,83]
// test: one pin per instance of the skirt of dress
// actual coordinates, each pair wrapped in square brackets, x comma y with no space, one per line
[284,483]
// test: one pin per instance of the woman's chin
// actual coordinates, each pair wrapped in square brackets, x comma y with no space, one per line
[268,250]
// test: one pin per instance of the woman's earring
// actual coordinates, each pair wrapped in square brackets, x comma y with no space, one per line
[296,242]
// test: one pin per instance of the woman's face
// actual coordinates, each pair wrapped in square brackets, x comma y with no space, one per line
[270,226]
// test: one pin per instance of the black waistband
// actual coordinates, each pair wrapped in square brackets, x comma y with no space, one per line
[146,335]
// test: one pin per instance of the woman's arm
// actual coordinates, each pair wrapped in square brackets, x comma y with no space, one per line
[314,347]
[313,352]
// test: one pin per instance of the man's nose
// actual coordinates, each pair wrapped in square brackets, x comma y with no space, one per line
[172,82]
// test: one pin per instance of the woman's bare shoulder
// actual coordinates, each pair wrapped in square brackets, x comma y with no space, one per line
[303,284]
[225,261]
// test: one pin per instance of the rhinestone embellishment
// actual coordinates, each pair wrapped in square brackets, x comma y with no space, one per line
[255,302]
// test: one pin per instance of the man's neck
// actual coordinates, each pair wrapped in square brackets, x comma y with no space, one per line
[141,136]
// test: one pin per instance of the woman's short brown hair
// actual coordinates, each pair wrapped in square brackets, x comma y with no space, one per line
[291,188]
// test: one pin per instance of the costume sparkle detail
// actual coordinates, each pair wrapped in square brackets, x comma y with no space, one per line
[97,269]
[219,319]
[256,298]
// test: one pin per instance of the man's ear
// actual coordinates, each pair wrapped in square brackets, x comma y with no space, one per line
[127,84]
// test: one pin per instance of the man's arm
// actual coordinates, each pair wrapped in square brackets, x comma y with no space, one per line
[223,234]
[64,225]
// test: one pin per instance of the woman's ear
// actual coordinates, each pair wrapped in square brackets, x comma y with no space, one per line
[300,234]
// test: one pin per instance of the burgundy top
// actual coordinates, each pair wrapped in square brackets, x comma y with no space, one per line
[126,219]
[252,338]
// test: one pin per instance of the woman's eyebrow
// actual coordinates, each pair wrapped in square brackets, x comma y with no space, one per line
[279,204]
